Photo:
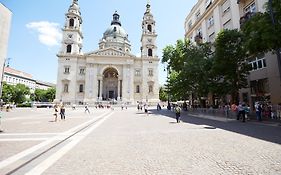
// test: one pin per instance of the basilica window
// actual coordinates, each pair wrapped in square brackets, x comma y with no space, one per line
[137,73]
[81,88]
[150,72]
[150,52]
[68,48]
[71,22]
[82,71]
[149,28]
[66,70]
[138,89]
[150,88]
[65,88]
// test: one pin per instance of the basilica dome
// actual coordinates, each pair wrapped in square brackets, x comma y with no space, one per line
[115,36]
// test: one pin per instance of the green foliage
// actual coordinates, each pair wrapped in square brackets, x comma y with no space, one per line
[163,95]
[45,95]
[7,92]
[230,65]
[262,34]
[190,67]
[15,94]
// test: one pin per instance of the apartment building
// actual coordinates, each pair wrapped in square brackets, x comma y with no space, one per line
[208,17]
[14,77]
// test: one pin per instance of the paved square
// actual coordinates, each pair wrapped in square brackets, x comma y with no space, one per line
[130,142]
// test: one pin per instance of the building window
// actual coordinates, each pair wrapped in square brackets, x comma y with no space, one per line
[82,71]
[66,70]
[150,72]
[71,22]
[81,88]
[197,15]
[138,89]
[189,24]
[250,8]
[208,3]
[150,88]
[149,28]
[68,48]
[227,25]
[225,6]
[210,22]
[212,37]
[65,88]
[150,52]
[258,62]
[137,73]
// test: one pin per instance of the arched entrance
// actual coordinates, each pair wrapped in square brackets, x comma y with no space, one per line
[110,84]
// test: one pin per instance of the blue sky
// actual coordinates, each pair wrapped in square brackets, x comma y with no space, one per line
[36,29]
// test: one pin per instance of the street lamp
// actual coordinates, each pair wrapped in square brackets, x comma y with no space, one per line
[168,86]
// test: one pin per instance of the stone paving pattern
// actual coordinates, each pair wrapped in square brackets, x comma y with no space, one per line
[130,142]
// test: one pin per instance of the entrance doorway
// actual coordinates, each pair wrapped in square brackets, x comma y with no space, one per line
[110,84]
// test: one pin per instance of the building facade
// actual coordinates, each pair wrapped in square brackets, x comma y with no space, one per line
[209,17]
[5,22]
[111,72]
[14,77]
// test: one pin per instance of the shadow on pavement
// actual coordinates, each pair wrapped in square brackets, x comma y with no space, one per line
[251,128]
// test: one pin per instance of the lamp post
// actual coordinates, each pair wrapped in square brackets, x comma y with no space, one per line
[277,50]
[168,87]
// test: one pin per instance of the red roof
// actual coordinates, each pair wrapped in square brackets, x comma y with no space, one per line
[17,73]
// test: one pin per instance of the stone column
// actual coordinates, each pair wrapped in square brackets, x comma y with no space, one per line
[101,88]
[118,89]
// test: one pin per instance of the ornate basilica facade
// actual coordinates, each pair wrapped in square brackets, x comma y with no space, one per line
[110,72]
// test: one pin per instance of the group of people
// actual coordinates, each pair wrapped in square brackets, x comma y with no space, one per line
[59,110]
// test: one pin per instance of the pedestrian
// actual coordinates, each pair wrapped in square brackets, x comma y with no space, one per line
[62,112]
[56,112]
[158,107]
[178,113]
[122,106]
[278,111]
[258,109]
[241,111]
[87,109]
[145,109]
[138,106]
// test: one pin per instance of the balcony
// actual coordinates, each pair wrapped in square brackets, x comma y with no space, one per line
[246,17]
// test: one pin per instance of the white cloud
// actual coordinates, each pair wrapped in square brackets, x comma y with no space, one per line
[48,33]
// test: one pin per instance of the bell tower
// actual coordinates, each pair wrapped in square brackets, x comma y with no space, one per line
[149,35]
[72,31]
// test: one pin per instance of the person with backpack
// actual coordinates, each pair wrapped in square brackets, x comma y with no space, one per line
[178,113]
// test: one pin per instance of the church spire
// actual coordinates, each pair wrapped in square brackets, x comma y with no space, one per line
[148,7]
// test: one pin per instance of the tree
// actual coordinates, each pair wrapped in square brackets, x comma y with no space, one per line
[230,65]
[45,95]
[20,93]
[50,94]
[163,95]
[190,67]
[263,31]
[7,92]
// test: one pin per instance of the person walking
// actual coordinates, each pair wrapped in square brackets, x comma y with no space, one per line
[62,112]
[278,111]
[258,109]
[241,112]
[56,113]
[87,109]
[178,113]
[145,108]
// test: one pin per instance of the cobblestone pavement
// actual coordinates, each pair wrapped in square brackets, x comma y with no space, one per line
[130,142]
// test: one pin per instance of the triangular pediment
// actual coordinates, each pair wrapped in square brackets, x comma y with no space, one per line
[112,52]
